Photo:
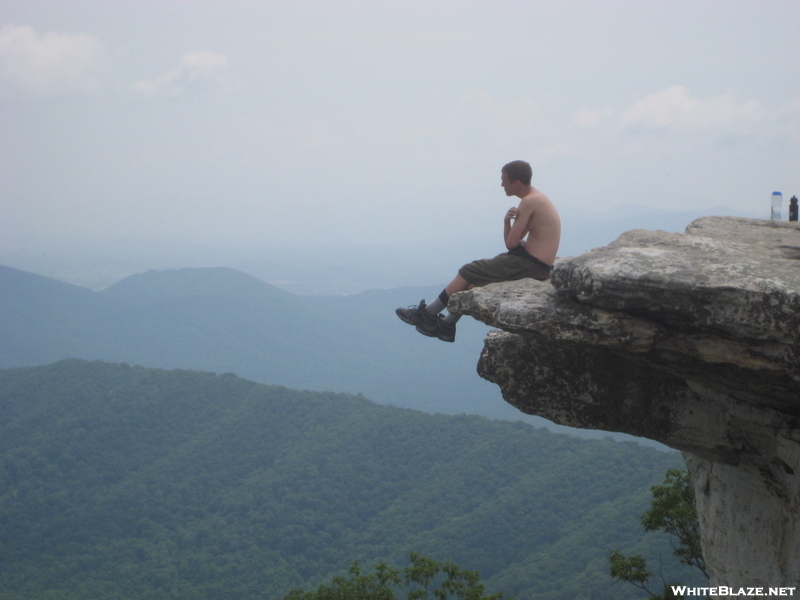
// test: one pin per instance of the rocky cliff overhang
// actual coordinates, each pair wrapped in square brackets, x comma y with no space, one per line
[689,339]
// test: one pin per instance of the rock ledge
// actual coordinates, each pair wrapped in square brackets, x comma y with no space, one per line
[689,339]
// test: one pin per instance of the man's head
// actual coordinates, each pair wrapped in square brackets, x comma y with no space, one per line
[518,170]
[515,174]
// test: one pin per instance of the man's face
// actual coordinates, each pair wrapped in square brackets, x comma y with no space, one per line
[508,186]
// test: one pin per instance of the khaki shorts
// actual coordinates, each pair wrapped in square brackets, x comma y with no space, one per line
[510,266]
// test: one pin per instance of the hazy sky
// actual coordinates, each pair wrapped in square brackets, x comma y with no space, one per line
[321,123]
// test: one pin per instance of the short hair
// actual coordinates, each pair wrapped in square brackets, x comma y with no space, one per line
[518,170]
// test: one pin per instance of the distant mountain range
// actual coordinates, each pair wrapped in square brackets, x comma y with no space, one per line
[222,320]
[343,267]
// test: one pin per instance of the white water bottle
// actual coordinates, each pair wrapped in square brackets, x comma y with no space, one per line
[777,200]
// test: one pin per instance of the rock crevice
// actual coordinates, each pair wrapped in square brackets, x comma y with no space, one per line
[689,339]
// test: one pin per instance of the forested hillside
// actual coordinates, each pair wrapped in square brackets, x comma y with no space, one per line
[120,482]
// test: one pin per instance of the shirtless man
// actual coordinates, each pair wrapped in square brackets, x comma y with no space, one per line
[531,232]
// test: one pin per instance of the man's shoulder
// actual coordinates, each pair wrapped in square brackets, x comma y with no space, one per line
[534,198]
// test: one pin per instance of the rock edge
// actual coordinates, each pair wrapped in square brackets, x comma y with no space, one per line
[689,339]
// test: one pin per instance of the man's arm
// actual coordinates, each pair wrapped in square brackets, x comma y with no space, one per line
[510,216]
[515,234]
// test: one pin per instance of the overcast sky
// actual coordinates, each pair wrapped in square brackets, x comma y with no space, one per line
[322,123]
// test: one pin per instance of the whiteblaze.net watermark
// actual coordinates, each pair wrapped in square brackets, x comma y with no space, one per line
[724,590]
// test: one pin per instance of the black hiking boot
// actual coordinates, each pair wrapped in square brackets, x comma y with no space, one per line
[438,328]
[414,315]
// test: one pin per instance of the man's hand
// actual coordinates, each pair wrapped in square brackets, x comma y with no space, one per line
[511,214]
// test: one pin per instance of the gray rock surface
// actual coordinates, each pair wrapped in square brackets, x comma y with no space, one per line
[689,339]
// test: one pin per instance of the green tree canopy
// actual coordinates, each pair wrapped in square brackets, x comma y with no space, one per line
[425,578]
[672,511]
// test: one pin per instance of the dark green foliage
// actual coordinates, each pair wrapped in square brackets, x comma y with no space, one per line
[671,511]
[134,483]
[633,569]
[424,579]
[379,585]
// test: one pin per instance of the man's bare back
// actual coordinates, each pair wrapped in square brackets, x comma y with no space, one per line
[536,224]
[543,227]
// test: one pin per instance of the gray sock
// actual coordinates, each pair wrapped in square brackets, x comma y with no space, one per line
[452,318]
[439,304]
